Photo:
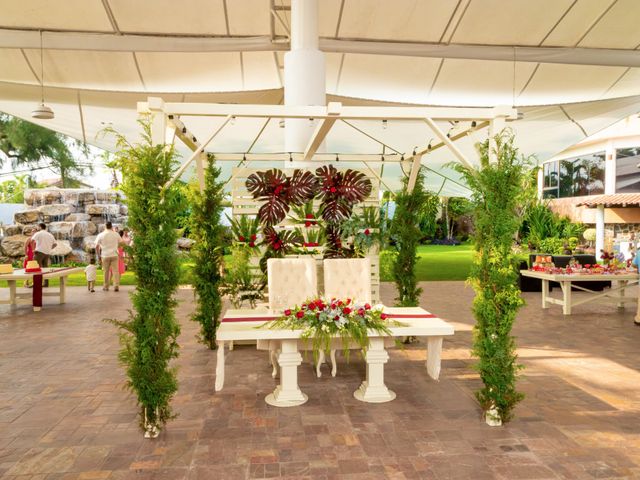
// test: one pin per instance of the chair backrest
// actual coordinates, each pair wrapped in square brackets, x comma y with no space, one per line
[291,281]
[348,278]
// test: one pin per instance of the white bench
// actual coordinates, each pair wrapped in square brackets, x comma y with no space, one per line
[241,325]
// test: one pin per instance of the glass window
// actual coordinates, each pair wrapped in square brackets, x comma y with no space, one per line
[596,174]
[550,171]
[627,171]
[566,178]
[574,177]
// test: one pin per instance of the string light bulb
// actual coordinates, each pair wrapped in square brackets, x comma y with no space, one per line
[384,124]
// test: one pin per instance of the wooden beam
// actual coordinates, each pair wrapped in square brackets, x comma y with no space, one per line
[347,112]
[413,176]
[320,158]
[200,161]
[322,129]
[440,134]
[430,148]
[197,152]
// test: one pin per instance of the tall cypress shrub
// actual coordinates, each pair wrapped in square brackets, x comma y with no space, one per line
[496,194]
[149,336]
[405,232]
[207,252]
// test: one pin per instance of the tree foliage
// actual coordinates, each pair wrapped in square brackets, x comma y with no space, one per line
[149,336]
[30,145]
[496,195]
[12,191]
[405,232]
[208,252]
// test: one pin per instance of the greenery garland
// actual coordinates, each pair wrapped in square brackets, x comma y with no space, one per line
[405,232]
[496,194]
[207,252]
[149,336]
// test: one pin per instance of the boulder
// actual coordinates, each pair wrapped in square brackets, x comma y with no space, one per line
[184,243]
[4,260]
[63,248]
[106,196]
[42,197]
[104,209]
[56,210]
[78,256]
[11,230]
[78,217]
[13,246]
[27,216]
[82,229]
[30,229]
[124,210]
[101,226]
[89,243]
[60,229]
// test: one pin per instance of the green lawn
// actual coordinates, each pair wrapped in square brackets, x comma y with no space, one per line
[436,263]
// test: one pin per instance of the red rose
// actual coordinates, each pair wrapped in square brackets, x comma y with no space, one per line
[312,306]
[339,303]
[252,244]
[307,224]
[346,310]
[336,318]
[588,265]
[384,316]
[361,312]
[241,238]
[287,312]
[333,190]
[278,190]
[253,238]
[299,314]
[367,232]
[367,306]
[309,215]
[348,301]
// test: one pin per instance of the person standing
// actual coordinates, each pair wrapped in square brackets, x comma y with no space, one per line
[107,244]
[44,244]
[28,256]
[91,272]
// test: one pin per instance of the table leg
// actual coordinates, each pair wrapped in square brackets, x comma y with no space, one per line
[13,297]
[220,367]
[373,389]
[63,289]
[566,297]
[434,350]
[288,394]
[545,293]
[623,285]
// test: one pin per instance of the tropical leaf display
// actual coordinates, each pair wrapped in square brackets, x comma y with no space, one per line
[340,191]
[270,187]
[303,186]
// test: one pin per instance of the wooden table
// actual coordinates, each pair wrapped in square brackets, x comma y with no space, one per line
[625,280]
[241,325]
[34,297]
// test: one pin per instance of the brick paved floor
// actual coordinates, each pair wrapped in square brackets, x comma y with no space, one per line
[65,415]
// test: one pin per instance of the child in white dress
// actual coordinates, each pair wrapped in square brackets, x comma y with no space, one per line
[91,272]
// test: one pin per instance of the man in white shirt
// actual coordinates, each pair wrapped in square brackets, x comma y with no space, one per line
[107,244]
[44,245]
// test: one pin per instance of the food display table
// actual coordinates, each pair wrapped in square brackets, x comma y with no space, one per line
[34,297]
[241,325]
[566,281]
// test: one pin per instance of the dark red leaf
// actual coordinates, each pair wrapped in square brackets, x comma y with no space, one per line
[303,186]
[354,187]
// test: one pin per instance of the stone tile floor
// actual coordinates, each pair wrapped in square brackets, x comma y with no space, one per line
[64,413]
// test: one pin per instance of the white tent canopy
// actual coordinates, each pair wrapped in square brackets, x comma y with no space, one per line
[570,67]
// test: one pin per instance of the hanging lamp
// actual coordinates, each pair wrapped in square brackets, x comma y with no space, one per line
[42,111]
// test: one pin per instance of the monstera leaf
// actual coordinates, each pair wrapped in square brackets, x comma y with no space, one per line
[334,248]
[303,186]
[283,241]
[340,191]
[271,187]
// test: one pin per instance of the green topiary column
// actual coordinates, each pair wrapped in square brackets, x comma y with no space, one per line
[207,252]
[149,336]
[496,194]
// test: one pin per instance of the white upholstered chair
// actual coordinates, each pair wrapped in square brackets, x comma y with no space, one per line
[347,278]
[291,281]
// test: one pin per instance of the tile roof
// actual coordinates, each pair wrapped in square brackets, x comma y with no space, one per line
[615,200]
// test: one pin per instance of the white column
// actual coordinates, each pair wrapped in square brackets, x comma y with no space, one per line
[304,76]
[373,389]
[288,394]
[599,230]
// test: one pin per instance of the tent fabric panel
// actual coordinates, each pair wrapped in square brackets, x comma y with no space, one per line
[409,20]
[169,17]
[627,85]
[516,22]
[575,23]
[248,17]
[15,68]
[203,72]
[328,17]
[617,29]
[479,83]
[260,71]
[387,78]
[555,83]
[87,69]
[87,15]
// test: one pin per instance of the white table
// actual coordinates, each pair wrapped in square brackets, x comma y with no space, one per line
[240,325]
[34,297]
[566,281]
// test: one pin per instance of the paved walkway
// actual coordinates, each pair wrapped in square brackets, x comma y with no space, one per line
[65,415]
